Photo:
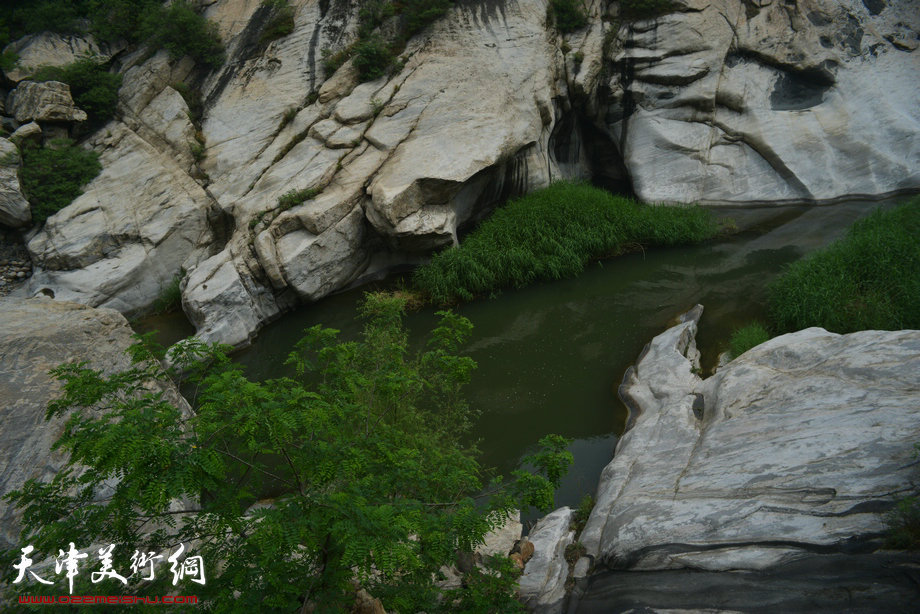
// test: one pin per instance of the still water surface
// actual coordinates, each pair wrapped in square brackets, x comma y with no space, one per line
[551,356]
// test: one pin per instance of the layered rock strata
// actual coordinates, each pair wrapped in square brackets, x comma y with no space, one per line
[798,446]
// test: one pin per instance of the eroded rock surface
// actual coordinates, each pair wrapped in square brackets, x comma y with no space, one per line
[37,336]
[14,208]
[48,101]
[305,178]
[542,585]
[799,445]
[766,101]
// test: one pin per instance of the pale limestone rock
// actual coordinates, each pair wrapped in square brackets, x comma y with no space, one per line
[14,208]
[27,133]
[48,101]
[165,121]
[315,265]
[120,243]
[500,540]
[37,336]
[542,585]
[224,305]
[802,442]
[52,49]
[770,103]
[143,82]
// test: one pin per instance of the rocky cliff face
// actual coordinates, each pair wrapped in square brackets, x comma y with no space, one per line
[799,446]
[39,335]
[717,101]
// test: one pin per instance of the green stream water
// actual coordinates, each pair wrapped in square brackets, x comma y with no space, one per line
[551,356]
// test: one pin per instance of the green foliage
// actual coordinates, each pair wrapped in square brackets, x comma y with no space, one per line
[53,176]
[170,298]
[645,9]
[583,512]
[362,450]
[293,198]
[375,53]
[183,32]
[551,234]
[747,337]
[192,98]
[372,57]
[867,280]
[280,24]
[490,589]
[175,26]
[904,525]
[93,87]
[567,15]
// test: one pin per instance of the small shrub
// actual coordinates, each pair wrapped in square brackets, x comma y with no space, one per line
[747,337]
[288,117]
[198,151]
[192,97]
[183,32]
[296,197]
[332,61]
[904,525]
[567,15]
[280,24]
[583,512]
[93,87]
[552,234]
[53,176]
[372,58]
[170,298]
[866,281]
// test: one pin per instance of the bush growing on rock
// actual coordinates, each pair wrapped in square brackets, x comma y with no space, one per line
[175,27]
[362,450]
[567,15]
[93,87]
[747,337]
[645,9]
[552,234]
[54,175]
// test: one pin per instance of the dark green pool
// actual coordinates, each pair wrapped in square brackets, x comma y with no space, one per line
[551,356]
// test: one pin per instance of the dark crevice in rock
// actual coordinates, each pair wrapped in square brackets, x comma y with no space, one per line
[248,46]
[874,6]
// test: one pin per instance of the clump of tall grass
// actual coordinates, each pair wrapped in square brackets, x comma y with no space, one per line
[869,280]
[552,234]
[746,337]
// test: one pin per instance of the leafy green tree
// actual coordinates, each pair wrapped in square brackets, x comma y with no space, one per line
[361,456]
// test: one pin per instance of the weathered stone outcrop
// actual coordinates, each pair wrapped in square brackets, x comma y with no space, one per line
[38,335]
[798,446]
[14,208]
[717,101]
[765,101]
[542,585]
[51,49]
[135,227]
[48,101]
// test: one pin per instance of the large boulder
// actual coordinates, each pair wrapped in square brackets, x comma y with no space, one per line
[799,445]
[766,101]
[14,208]
[37,336]
[48,101]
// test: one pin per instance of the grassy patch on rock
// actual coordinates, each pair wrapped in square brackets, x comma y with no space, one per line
[868,280]
[552,234]
[748,337]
